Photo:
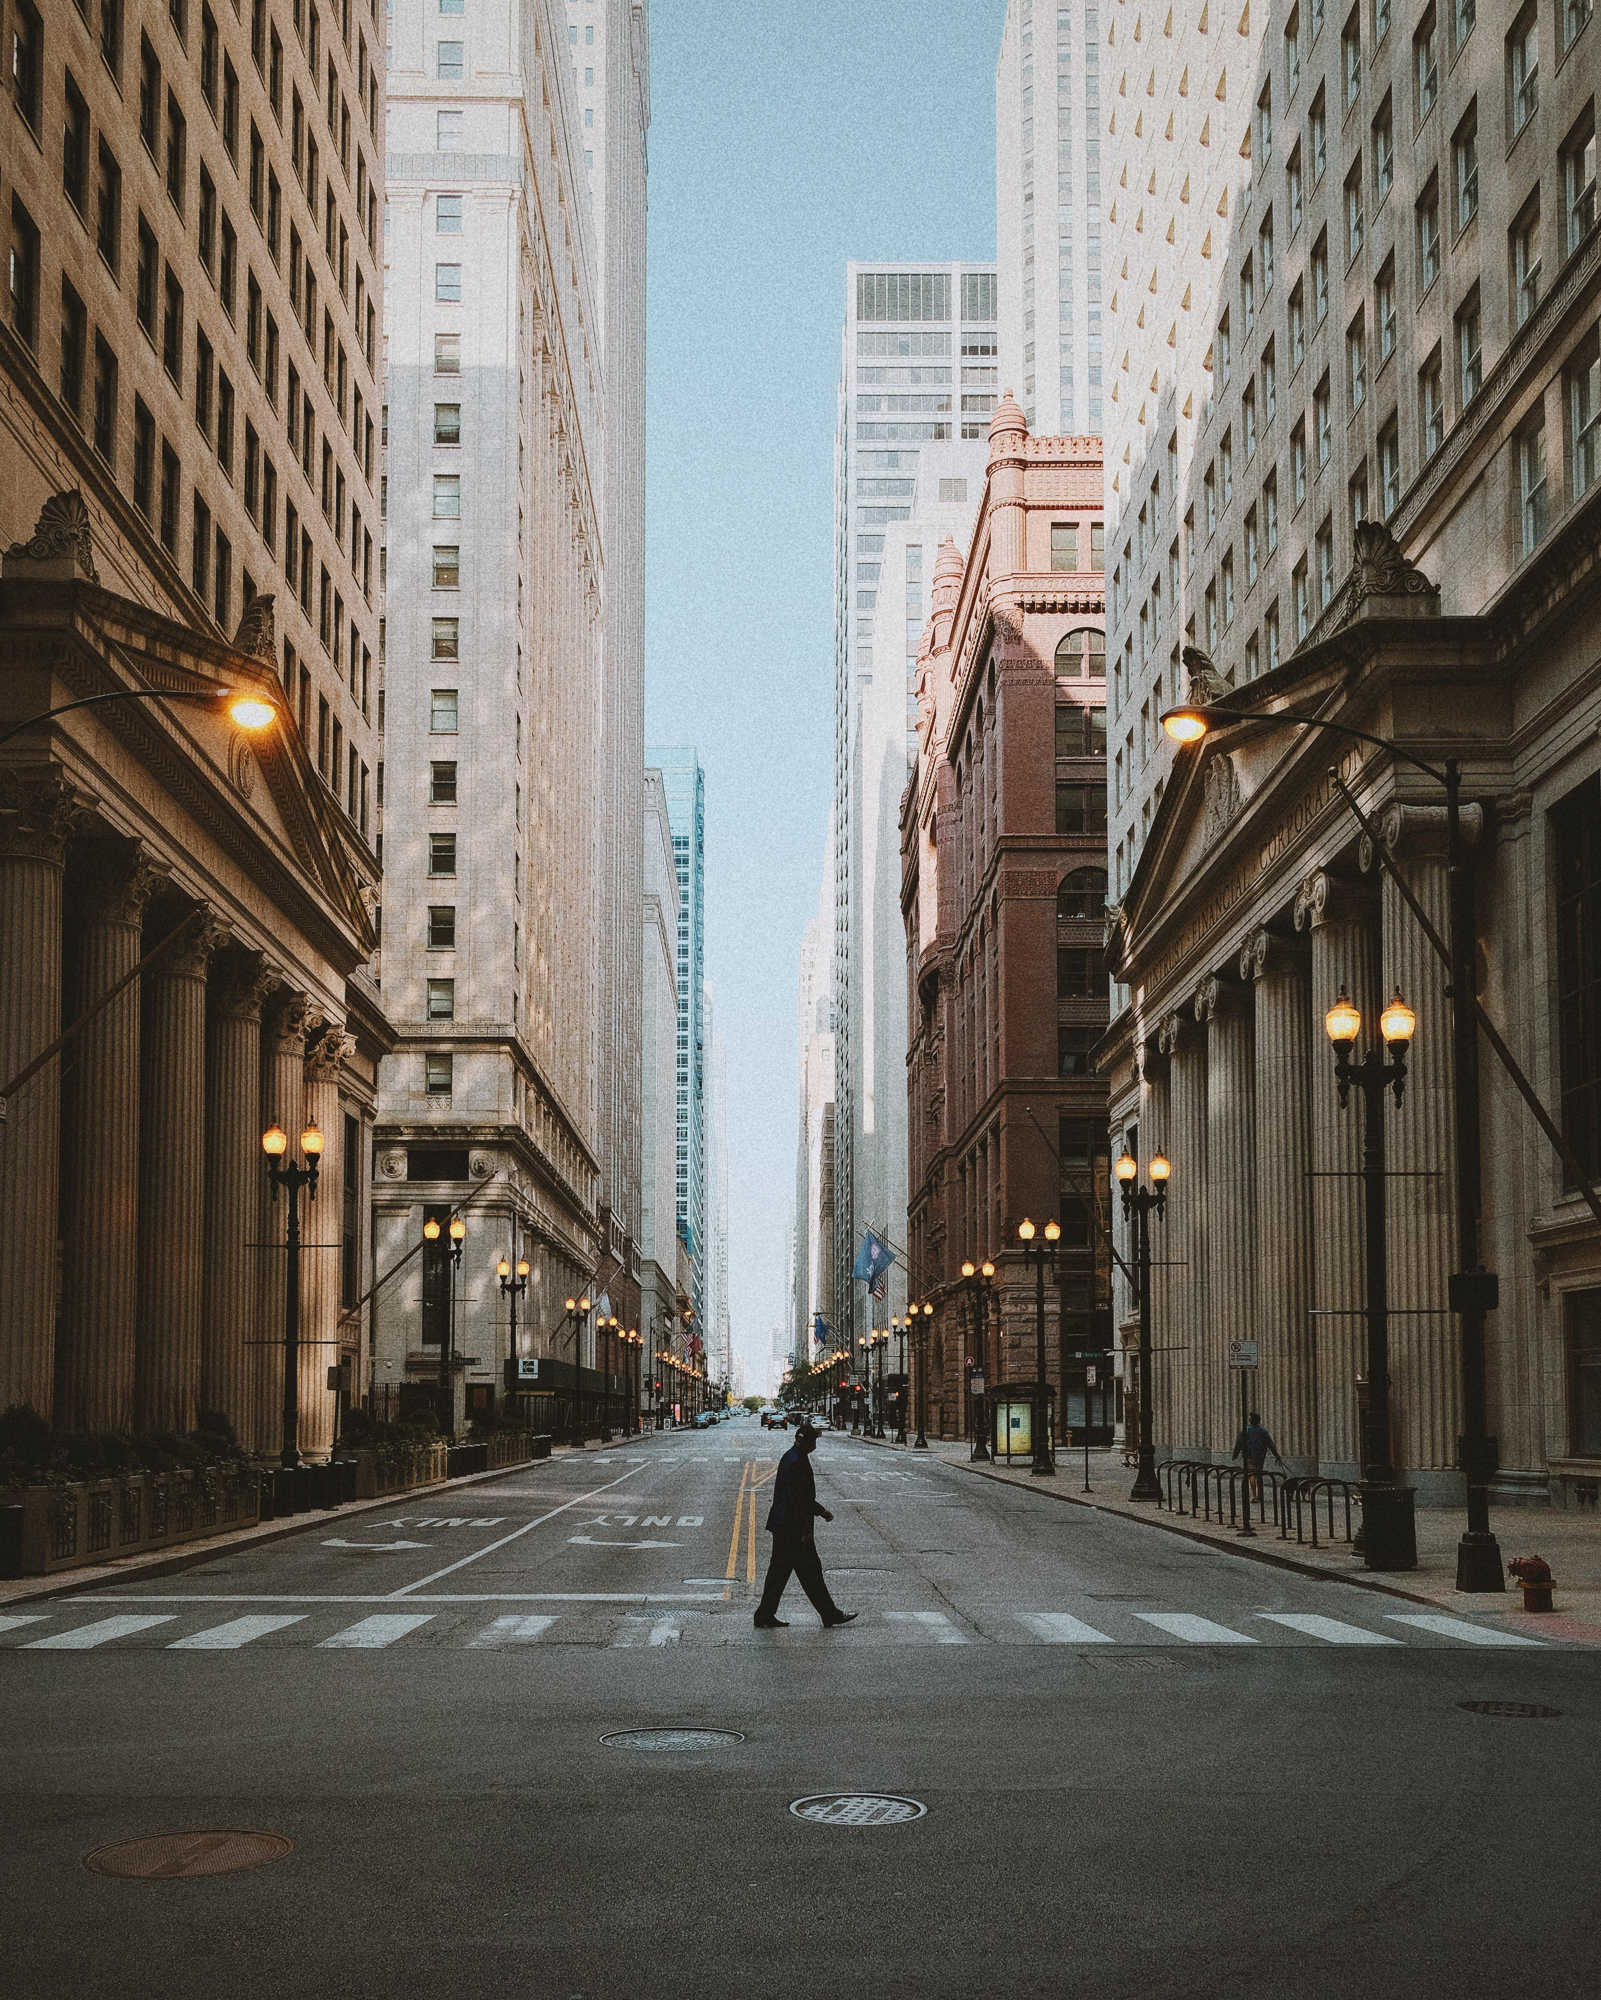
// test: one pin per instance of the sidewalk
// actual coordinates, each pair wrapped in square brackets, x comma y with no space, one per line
[165,1562]
[1570,1542]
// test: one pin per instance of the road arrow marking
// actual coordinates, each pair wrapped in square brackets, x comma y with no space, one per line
[377,1547]
[594,1542]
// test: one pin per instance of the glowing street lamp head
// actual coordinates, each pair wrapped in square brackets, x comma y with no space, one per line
[430,1229]
[1025,1230]
[251,711]
[1053,1231]
[503,1268]
[987,1268]
[1127,1168]
[311,1143]
[1342,1023]
[458,1229]
[1397,1024]
[275,1142]
[572,1305]
[1186,725]
[967,1269]
[1159,1170]
[522,1267]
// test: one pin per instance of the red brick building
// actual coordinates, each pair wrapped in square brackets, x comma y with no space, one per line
[1003,887]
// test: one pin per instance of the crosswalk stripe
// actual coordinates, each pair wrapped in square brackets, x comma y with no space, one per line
[1061,1628]
[23,1618]
[97,1634]
[666,1631]
[1192,1630]
[379,1630]
[939,1626]
[237,1632]
[1457,1628]
[1330,1629]
[515,1629]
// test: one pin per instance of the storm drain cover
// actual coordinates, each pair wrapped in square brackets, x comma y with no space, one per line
[672,1739]
[1524,1708]
[160,1857]
[857,1809]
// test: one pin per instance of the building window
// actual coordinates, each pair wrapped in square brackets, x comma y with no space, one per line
[447,283]
[1298,464]
[1465,158]
[1080,972]
[442,711]
[437,1080]
[1383,154]
[1270,385]
[74,349]
[1317,132]
[1320,278]
[447,567]
[1390,467]
[447,353]
[1578,183]
[441,999]
[451,61]
[27,63]
[1073,1045]
[441,854]
[1356,363]
[447,423]
[449,130]
[1351,58]
[1064,545]
[1357,497]
[1325,564]
[1292,191]
[1323,422]
[1469,353]
[446,639]
[442,927]
[1082,651]
[1384,310]
[1303,609]
[105,402]
[1426,65]
[1576,829]
[1584,421]
[1082,895]
[1534,513]
[1080,809]
[1428,232]
[24,274]
[1353,212]
[447,496]
[1431,404]
[1270,628]
[1525,241]
[442,784]
[144,457]
[1270,512]
[1523,70]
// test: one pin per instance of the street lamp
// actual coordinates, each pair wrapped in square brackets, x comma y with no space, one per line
[1473,1291]
[447,1347]
[901,1330]
[1389,1535]
[977,1284]
[513,1288]
[1039,1253]
[249,708]
[881,1342]
[577,1312]
[1140,1203]
[919,1329]
[283,1173]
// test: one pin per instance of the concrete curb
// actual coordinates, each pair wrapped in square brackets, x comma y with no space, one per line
[29,1589]
[1168,1526]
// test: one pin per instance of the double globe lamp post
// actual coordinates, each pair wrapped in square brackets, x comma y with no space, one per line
[1039,1249]
[282,1172]
[447,1343]
[977,1282]
[1140,1203]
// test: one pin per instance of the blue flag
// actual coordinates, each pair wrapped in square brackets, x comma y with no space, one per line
[873,1259]
[820,1329]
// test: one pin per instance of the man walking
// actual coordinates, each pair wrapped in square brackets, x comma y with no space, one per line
[1253,1445]
[789,1522]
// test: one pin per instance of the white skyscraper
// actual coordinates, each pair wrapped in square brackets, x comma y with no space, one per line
[918,367]
[1048,212]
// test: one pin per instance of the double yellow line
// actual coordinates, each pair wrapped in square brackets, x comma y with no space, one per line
[745,1519]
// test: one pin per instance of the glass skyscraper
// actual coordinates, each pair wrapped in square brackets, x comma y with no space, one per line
[685,784]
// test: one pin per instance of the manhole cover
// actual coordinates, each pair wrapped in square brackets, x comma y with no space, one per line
[672,1739]
[1135,1663]
[160,1857]
[1526,1708]
[857,1809]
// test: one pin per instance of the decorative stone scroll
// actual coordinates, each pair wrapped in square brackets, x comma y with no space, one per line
[61,537]
[1379,569]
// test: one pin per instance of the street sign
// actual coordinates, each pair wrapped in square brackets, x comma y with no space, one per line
[1242,1353]
[1089,1376]
[522,1372]
[976,1383]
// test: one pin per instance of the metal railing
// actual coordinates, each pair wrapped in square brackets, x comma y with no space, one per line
[1279,1496]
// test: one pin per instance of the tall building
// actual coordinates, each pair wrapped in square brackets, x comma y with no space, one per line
[1003,851]
[608,41]
[1048,212]
[1355,472]
[917,366]
[511,759]
[812,1224]
[188,495]
[719,1344]
[658,1227]
[685,786]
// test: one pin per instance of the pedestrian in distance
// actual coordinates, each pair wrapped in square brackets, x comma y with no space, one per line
[790,1522]
[1253,1445]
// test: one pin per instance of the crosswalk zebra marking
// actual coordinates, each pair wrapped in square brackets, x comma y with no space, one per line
[1061,1628]
[23,1618]
[237,1632]
[1194,1631]
[379,1631]
[98,1634]
[514,1629]
[935,1623]
[1329,1629]
[1459,1628]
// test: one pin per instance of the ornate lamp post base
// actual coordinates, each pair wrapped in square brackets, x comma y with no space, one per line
[1146,1484]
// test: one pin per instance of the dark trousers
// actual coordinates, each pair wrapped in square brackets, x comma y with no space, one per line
[796,1555]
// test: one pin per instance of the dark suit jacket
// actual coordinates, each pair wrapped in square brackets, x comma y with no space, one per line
[794,1505]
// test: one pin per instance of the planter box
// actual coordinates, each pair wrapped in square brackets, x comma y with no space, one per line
[98,1520]
[378,1473]
[512,1448]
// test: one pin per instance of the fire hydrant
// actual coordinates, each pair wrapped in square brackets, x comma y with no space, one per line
[1534,1579]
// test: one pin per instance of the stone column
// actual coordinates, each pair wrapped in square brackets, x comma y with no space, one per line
[283,1065]
[235,1172]
[1420,1211]
[323,1227]
[1278,969]
[38,814]
[1339,916]
[1184,1251]
[112,881]
[172,1183]
[1223,1007]
[1156,1137]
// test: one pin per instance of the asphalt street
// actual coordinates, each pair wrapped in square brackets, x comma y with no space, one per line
[1148,1768]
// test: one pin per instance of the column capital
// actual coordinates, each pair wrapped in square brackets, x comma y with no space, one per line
[1171,1031]
[113,880]
[1264,949]
[40,811]
[1415,833]
[245,982]
[191,956]
[1324,898]
[327,1054]
[286,1023]
[1216,998]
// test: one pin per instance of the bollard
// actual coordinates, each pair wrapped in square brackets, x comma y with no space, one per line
[333,1492]
[350,1467]
[284,1490]
[11,1519]
[304,1500]
[264,1508]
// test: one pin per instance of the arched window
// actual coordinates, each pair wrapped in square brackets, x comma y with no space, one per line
[1082,894]
[1082,652]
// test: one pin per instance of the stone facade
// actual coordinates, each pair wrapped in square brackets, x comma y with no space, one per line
[1003,886]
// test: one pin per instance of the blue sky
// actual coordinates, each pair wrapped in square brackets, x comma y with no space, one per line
[786,137]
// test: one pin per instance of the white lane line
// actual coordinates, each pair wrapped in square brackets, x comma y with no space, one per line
[1061,1628]
[378,1631]
[237,1632]
[935,1623]
[23,1618]
[98,1634]
[515,1629]
[1437,1622]
[667,1630]
[437,1597]
[1194,1631]
[408,1589]
[1331,1629]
